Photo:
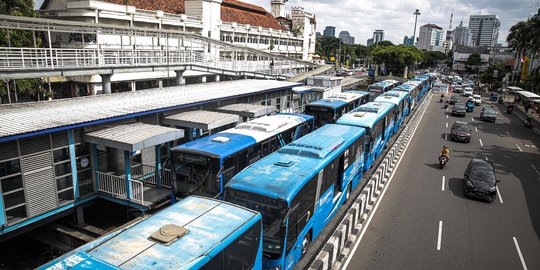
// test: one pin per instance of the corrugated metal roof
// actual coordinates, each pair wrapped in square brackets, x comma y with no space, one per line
[247,110]
[17,119]
[133,137]
[201,119]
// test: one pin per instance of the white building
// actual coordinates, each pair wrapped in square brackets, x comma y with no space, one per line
[378,36]
[484,29]
[431,38]
[227,20]
[462,35]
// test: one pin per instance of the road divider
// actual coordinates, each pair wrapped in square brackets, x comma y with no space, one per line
[337,251]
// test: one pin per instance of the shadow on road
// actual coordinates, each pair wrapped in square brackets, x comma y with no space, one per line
[433,165]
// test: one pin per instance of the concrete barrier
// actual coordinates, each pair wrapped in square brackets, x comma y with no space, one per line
[338,246]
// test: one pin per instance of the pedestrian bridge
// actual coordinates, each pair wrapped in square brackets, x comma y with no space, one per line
[170,50]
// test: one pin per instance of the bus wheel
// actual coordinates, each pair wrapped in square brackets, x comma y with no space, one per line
[347,193]
[305,244]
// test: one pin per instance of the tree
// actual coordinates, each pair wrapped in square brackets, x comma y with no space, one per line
[396,58]
[492,76]
[19,38]
[473,62]
[327,46]
[384,43]
[431,58]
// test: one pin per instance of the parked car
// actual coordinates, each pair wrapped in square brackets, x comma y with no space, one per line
[454,98]
[460,131]
[480,181]
[467,91]
[459,109]
[477,100]
[489,114]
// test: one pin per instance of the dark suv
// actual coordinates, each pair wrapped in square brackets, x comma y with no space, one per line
[480,181]
[489,114]
[454,98]
[461,131]
[459,109]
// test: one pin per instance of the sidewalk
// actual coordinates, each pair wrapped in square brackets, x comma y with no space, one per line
[519,110]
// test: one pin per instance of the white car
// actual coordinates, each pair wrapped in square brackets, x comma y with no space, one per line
[467,91]
[477,99]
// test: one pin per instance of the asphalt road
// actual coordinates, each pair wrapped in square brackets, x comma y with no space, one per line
[424,221]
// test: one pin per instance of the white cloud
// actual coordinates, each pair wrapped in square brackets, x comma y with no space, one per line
[362,17]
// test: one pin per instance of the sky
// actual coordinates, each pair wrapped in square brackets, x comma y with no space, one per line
[395,17]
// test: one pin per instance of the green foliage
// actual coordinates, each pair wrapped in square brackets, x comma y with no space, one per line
[532,83]
[384,43]
[525,35]
[474,60]
[327,46]
[431,58]
[28,87]
[487,76]
[396,58]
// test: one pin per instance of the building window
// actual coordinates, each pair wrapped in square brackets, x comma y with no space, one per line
[12,188]
[84,170]
[63,175]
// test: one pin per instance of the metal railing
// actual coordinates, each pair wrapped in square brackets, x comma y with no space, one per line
[116,186]
[146,174]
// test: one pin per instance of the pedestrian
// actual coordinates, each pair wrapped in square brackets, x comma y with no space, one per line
[272,66]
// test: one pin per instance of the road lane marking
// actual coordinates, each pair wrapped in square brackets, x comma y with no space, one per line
[472,118]
[487,159]
[446,137]
[364,228]
[443,183]
[447,116]
[481,144]
[475,128]
[499,194]
[508,134]
[447,125]
[440,236]
[519,148]
[519,253]
[536,170]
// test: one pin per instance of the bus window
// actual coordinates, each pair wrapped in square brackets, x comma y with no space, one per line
[330,175]
[229,170]
[266,148]
[292,232]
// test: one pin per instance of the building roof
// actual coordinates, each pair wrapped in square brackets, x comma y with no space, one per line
[247,110]
[201,119]
[430,25]
[169,6]
[240,12]
[471,50]
[27,119]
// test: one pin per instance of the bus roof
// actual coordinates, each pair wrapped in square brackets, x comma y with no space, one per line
[282,174]
[243,135]
[133,248]
[366,115]
[362,93]
[394,97]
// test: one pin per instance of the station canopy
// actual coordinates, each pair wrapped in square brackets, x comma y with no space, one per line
[133,137]
[248,110]
[200,119]
[528,94]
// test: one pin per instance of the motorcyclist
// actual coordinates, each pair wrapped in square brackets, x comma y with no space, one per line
[445,152]
[442,98]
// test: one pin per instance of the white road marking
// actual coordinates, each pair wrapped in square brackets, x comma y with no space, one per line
[472,118]
[447,125]
[447,116]
[519,253]
[519,148]
[499,194]
[536,170]
[364,228]
[446,137]
[487,159]
[440,236]
[475,128]
[481,144]
[443,183]
[508,134]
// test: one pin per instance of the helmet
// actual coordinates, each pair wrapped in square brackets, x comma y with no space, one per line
[445,147]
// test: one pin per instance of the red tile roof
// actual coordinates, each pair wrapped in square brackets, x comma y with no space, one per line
[244,13]
[231,11]
[169,6]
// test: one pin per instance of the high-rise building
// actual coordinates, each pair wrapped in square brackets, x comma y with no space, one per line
[346,38]
[484,29]
[378,36]
[369,41]
[462,35]
[329,31]
[430,38]
[408,41]
[318,34]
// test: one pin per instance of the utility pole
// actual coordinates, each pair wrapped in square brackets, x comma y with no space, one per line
[416,13]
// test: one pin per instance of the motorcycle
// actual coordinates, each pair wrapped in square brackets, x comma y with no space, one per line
[441,100]
[446,104]
[528,123]
[509,109]
[442,161]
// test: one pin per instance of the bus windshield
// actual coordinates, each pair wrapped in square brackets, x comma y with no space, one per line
[272,210]
[323,115]
[196,174]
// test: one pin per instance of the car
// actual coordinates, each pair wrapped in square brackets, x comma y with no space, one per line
[454,98]
[457,88]
[460,131]
[480,181]
[459,109]
[477,100]
[489,114]
[467,91]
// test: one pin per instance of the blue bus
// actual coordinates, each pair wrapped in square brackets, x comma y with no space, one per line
[380,87]
[400,100]
[424,83]
[378,120]
[195,233]
[328,110]
[299,189]
[412,90]
[205,165]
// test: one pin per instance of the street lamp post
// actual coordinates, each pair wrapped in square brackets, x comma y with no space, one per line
[416,13]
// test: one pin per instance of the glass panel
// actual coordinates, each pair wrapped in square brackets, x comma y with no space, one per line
[14,199]
[65,196]
[241,254]
[62,169]
[10,167]
[64,182]
[16,214]
[12,183]
[61,154]
[81,150]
